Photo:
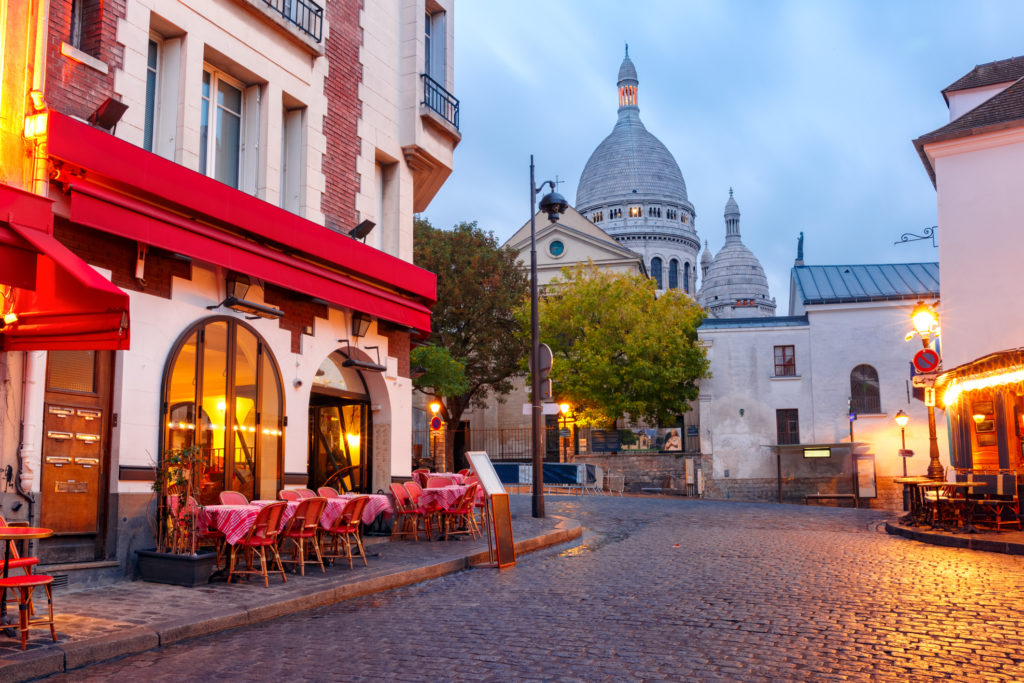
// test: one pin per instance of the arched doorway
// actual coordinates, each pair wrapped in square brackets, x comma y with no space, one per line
[222,392]
[340,428]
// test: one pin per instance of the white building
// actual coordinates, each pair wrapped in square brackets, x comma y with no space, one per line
[783,384]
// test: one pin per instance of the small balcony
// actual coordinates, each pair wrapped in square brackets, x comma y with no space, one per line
[440,101]
[305,15]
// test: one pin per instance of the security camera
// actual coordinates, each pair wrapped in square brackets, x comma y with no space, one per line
[297,383]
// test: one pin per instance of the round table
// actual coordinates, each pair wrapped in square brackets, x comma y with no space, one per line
[10,534]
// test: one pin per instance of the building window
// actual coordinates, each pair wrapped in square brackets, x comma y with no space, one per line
[556,248]
[222,392]
[788,426]
[686,277]
[673,274]
[220,128]
[864,392]
[85,24]
[656,270]
[434,45]
[635,212]
[152,58]
[785,361]
[293,158]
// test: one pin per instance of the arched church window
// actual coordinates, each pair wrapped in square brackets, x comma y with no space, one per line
[864,391]
[686,277]
[634,212]
[222,392]
[656,270]
[673,274]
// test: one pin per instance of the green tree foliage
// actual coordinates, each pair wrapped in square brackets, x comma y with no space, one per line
[618,350]
[441,374]
[479,286]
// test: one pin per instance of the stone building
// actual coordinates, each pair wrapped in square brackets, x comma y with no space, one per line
[220,207]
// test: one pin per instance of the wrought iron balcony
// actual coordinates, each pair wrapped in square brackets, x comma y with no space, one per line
[305,14]
[440,100]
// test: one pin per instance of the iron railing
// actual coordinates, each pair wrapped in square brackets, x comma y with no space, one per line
[866,405]
[440,100]
[305,14]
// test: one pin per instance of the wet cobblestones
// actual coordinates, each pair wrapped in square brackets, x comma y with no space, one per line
[659,589]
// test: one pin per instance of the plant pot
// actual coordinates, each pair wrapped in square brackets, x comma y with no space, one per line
[180,570]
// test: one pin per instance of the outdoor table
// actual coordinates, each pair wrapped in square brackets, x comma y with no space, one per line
[968,503]
[234,521]
[441,498]
[377,505]
[916,516]
[8,535]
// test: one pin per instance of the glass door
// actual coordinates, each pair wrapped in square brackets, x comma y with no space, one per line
[338,434]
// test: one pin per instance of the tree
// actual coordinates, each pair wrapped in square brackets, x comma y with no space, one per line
[619,350]
[479,287]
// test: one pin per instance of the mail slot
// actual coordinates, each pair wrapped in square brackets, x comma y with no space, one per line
[86,414]
[88,438]
[59,436]
[87,462]
[60,411]
[57,460]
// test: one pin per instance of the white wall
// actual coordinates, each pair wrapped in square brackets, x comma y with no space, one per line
[962,101]
[980,184]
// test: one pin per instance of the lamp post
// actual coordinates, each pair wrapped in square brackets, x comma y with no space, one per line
[563,408]
[554,204]
[901,419]
[435,407]
[926,325]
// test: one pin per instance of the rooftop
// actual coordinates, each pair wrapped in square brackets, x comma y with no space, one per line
[875,282]
[1003,71]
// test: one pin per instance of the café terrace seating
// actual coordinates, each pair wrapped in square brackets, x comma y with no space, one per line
[302,530]
[233,498]
[263,534]
[346,530]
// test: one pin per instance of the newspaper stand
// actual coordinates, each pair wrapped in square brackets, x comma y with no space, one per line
[501,549]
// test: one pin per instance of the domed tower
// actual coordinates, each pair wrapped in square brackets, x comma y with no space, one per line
[734,284]
[633,189]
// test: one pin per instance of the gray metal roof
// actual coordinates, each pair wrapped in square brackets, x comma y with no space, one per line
[875,282]
[771,321]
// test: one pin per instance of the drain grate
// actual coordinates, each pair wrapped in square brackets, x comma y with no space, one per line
[60,581]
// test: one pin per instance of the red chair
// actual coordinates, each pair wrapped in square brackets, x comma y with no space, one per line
[464,472]
[429,512]
[479,502]
[327,492]
[346,529]
[24,585]
[288,494]
[420,476]
[262,535]
[305,493]
[302,530]
[436,482]
[461,514]
[406,514]
[233,498]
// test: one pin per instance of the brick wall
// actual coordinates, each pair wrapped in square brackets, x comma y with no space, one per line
[118,255]
[72,87]
[398,346]
[344,74]
[300,313]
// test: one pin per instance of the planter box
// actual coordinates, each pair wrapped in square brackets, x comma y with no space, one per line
[180,570]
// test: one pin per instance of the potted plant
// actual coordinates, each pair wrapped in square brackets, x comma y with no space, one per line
[177,558]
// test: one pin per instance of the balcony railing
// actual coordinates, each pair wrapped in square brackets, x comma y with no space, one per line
[305,14]
[440,100]
[866,405]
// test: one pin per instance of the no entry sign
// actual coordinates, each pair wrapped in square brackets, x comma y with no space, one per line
[926,360]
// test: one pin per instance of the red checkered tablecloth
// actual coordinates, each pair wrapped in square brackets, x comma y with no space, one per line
[441,498]
[234,521]
[378,504]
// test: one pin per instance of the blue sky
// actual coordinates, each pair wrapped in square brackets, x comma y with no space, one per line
[807,108]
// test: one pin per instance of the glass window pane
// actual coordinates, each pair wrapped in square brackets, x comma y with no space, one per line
[229,97]
[271,428]
[181,397]
[213,402]
[204,123]
[243,422]
[147,132]
[72,371]
[229,129]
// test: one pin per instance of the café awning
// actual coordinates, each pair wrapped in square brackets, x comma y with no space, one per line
[54,300]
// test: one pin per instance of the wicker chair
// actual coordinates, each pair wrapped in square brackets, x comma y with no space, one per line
[288,494]
[327,492]
[306,493]
[262,535]
[233,498]
[460,514]
[346,530]
[302,530]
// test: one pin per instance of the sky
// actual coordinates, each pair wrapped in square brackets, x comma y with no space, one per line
[807,108]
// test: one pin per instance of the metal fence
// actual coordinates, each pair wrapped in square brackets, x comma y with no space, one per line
[440,100]
[305,14]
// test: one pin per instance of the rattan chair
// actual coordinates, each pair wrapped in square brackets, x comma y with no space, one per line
[346,530]
[262,535]
[459,518]
[289,494]
[303,530]
[233,498]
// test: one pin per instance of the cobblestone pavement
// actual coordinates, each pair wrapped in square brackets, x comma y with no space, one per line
[660,588]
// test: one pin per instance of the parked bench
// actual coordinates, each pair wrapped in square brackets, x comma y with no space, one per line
[830,496]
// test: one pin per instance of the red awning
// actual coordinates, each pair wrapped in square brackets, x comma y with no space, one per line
[59,300]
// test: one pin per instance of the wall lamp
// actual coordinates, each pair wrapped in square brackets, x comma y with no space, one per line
[237,288]
[360,324]
[351,362]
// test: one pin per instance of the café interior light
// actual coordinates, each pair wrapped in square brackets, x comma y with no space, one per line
[10,318]
[1010,376]
[978,419]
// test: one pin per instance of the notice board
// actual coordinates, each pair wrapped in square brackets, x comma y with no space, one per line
[501,516]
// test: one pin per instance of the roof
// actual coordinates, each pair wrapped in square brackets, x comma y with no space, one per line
[1003,71]
[771,321]
[1005,110]
[875,282]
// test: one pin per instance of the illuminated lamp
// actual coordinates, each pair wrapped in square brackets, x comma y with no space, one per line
[237,286]
[35,125]
[10,318]
[435,407]
[564,407]
[978,419]
[360,324]
[901,419]
[353,441]
[923,318]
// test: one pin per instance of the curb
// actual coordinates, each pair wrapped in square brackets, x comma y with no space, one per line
[64,657]
[967,542]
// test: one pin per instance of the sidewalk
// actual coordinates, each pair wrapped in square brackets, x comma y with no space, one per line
[1007,542]
[101,623]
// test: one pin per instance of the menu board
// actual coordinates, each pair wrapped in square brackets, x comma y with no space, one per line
[483,468]
[501,517]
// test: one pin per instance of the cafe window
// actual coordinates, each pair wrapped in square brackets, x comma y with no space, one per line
[785,361]
[864,393]
[222,392]
[788,426]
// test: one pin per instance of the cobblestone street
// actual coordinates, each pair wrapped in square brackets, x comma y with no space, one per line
[660,588]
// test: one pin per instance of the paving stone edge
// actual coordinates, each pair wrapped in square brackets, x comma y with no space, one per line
[68,656]
[949,540]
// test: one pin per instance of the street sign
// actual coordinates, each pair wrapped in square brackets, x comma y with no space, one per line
[435,423]
[906,453]
[545,388]
[926,360]
[924,379]
[546,361]
[929,396]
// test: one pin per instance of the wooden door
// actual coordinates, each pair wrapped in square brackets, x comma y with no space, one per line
[75,446]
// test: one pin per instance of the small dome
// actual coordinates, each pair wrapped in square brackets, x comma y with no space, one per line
[627,72]
[731,207]
[706,258]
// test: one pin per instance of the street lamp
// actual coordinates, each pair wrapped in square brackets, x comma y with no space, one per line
[435,407]
[563,408]
[926,324]
[901,419]
[554,204]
